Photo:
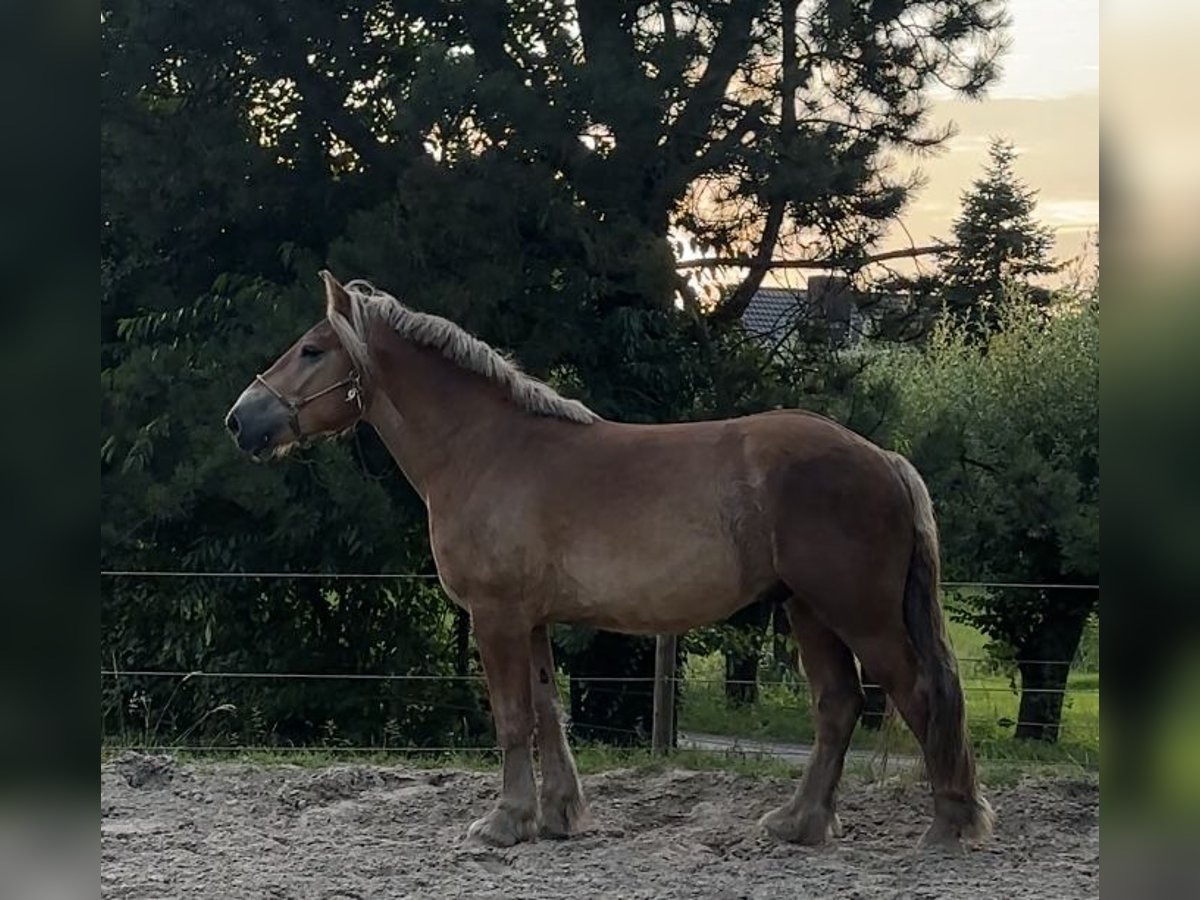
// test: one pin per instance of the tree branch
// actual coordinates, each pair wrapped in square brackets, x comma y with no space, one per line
[978,464]
[718,150]
[666,9]
[484,24]
[736,304]
[324,100]
[692,127]
[607,44]
[746,262]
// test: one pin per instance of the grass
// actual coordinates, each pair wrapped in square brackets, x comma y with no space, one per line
[782,712]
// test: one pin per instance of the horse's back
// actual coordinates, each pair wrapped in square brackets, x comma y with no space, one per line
[663,527]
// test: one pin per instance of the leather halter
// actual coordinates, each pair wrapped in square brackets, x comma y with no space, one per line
[353,395]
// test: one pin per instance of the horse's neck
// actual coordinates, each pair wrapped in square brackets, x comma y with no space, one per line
[433,416]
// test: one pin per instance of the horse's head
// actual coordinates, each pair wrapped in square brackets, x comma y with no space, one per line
[314,389]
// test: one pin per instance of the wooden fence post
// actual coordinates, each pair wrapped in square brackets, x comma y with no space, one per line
[663,730]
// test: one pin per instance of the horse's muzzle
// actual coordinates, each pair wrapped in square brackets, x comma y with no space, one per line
[255,422]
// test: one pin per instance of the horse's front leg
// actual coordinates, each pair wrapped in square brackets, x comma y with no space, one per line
[562,811]
[504,647]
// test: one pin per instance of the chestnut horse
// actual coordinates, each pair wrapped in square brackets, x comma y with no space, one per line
[542,512]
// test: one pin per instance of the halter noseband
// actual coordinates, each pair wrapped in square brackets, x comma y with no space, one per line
[354,395]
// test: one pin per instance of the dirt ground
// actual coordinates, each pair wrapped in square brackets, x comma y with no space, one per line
[170,830]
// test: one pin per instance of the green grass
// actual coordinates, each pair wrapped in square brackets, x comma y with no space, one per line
[783,713]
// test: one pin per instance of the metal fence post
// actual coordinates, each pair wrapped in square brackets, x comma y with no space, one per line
[663,730]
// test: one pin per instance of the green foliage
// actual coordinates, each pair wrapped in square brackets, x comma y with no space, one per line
[1007,434]
[176,495]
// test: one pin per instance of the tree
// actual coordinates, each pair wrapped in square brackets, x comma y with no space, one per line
[209,247]
[516,166]
[1008,437]
[176,495]
[751,125]
[998,245]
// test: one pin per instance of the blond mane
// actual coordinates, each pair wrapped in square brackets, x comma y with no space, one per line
[367,304]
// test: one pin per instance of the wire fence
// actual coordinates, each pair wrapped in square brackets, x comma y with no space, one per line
[691,690]
[426,576]
[589,679]
[785,695]
[283,749]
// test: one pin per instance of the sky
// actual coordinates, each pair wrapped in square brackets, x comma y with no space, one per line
[1047,102]
[1151,132]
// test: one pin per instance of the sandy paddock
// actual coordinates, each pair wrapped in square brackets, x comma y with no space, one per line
[170,830]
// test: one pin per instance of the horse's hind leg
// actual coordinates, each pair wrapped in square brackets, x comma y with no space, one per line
[960,811]
[562,809]
[505,649]
[810,817]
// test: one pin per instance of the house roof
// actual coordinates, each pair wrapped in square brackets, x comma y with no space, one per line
[772,310]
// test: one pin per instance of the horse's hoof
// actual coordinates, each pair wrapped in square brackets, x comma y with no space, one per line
[941,837]
[563,817]
[956,821]
[501,828]
[810,827]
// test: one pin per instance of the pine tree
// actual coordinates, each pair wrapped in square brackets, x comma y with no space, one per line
[999,244]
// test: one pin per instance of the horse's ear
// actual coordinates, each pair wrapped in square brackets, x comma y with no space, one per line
[336,298]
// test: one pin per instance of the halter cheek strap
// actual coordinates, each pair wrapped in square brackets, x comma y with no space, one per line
[353,381]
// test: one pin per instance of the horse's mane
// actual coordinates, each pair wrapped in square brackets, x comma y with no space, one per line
[467,351]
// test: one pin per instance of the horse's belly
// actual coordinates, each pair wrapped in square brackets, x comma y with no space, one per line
[666,589]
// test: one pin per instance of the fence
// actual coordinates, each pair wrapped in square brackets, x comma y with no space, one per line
[778,724]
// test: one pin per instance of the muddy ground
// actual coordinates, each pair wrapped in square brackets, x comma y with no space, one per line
[171,830]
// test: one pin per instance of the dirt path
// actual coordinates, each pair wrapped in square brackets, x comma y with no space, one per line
[796,754]
[238,831]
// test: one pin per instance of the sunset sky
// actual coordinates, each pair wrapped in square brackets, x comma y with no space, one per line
[1047,102]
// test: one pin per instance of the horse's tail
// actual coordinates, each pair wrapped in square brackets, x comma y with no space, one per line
[947,746]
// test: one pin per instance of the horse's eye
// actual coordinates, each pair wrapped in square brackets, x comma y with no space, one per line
[311,351]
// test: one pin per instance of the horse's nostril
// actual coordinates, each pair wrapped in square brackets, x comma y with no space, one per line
[232,423]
